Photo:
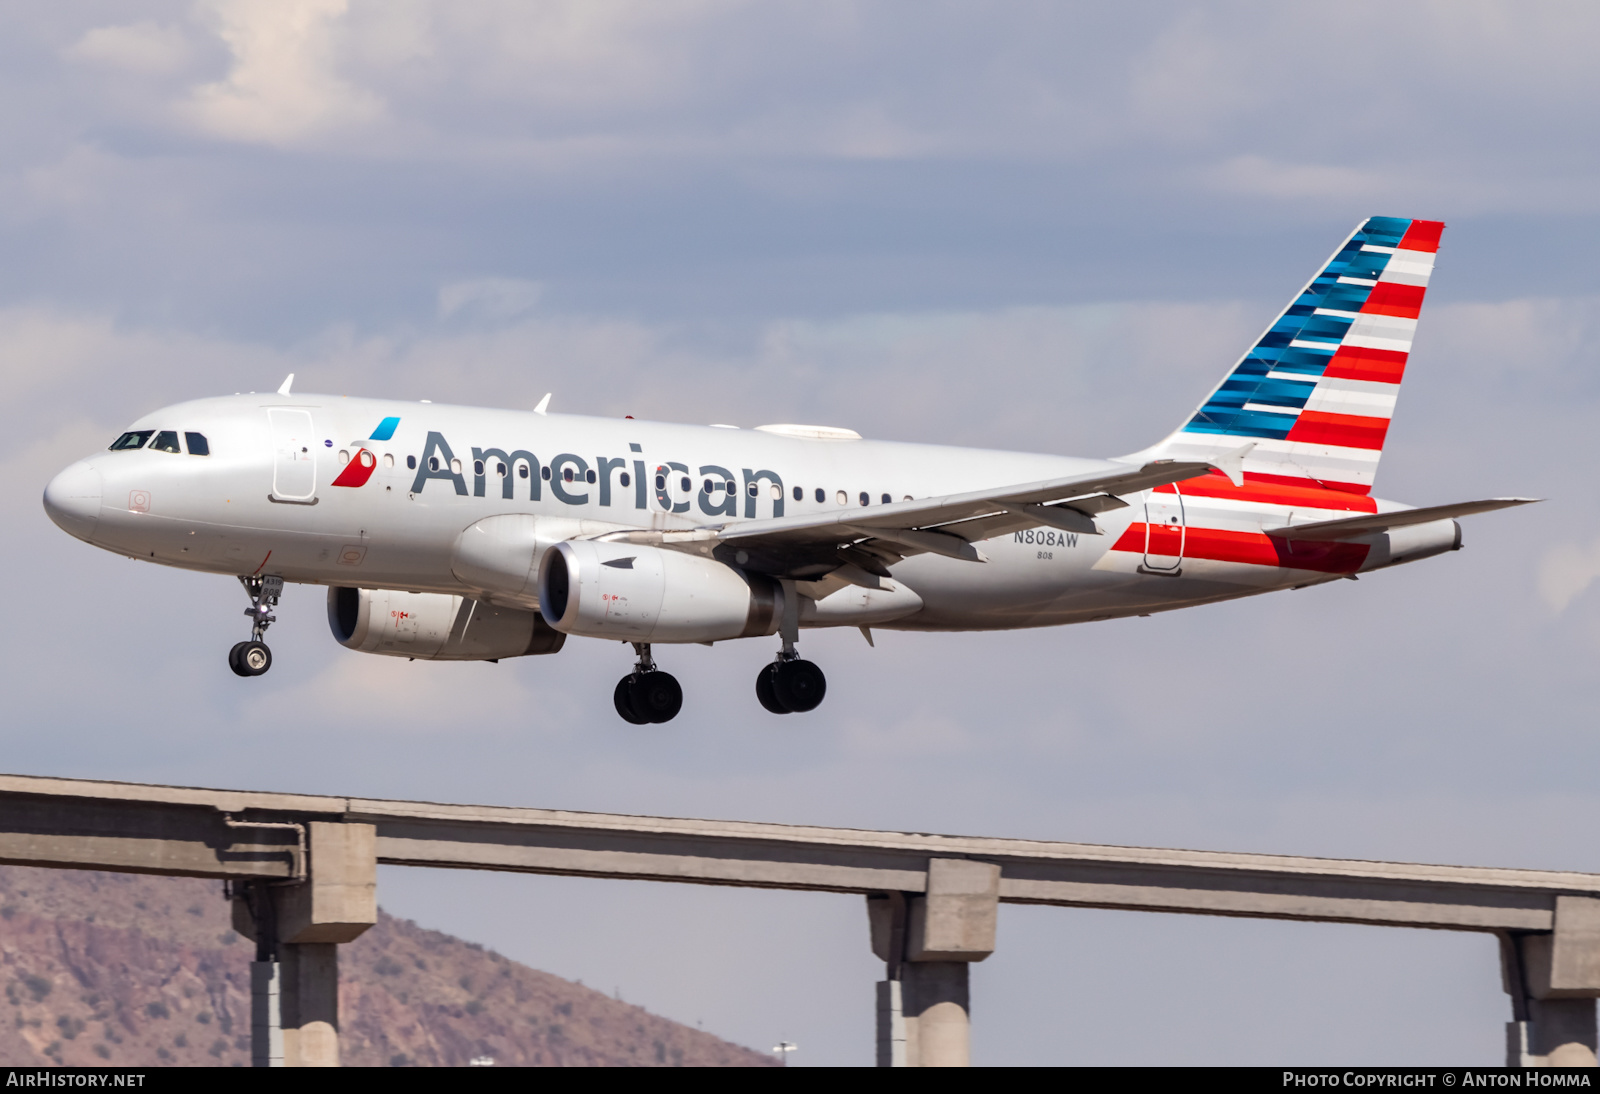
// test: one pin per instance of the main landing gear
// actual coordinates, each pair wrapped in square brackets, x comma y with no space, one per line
[790,685]
[647,694]
[253,658]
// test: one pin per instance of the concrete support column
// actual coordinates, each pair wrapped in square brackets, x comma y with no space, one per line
[297,928]
[266,1015]
[927,942]
[1553,980]
[310,1004]
[938,1014]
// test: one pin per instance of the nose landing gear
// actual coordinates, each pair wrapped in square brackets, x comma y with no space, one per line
[647,695]
[253,658]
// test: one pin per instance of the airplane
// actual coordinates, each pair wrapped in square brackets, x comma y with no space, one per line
[461,533]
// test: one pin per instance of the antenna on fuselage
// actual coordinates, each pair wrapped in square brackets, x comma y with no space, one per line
[287,384]
[544,404]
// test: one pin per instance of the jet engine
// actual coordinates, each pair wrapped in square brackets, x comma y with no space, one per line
[435,626]
[649,594]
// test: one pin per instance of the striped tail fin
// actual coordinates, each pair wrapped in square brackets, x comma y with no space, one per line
[1317,390]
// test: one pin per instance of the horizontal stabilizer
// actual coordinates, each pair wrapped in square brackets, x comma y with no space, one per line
[1372,523]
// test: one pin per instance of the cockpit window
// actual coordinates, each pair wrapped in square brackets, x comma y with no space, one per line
[197,444]
[166,441]
[129,441]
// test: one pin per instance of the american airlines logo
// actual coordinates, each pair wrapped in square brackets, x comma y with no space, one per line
[362,464]
[569,476]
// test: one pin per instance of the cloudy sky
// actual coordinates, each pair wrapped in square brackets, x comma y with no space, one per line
[1030,225]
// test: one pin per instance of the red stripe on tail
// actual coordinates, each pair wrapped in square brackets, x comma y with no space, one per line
[1249,548]
[1423,235]
[1347,430]
[1392,298]
[1385,366]
[1293,493]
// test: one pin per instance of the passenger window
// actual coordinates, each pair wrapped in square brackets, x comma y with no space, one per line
[197,444]
[753,489]
[477,468]
[433,463]
[522,469]
[411,462]
[710,486]
[388,459]
[129,441]
[865,497]
[661,482]
[544,473]
[887,499]
[500,469]
[344,456]
[686,485]
[625,479]
[820,494]
[842,498]
[590,476]
[799,494]
[166,441]
[566,474]
[730,487]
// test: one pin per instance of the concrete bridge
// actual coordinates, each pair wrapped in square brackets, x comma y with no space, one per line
[302,874]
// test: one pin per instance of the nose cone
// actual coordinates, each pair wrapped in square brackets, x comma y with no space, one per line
[73,499]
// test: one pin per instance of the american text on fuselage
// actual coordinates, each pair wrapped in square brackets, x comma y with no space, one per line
[457,533]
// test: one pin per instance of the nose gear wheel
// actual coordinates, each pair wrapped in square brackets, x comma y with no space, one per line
[249,658]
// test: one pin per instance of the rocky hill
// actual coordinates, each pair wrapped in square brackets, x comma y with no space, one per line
[127,970]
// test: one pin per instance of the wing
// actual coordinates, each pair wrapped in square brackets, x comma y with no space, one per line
[871,539]
[1373,523]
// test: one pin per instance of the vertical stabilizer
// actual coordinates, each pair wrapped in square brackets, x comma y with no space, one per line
[1317,390]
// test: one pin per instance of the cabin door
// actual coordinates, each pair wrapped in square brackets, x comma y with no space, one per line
[1164,531]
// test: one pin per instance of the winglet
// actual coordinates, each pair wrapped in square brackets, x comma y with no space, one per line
[287,384]
[1231,464]
[544,404]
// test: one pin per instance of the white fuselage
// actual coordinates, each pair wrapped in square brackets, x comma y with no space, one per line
[265,501]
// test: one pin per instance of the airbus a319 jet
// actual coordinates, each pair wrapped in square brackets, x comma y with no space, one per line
[458,533]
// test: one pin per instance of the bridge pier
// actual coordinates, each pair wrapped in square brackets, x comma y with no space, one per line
[1553,979]
[297,926]
[303,873]
[928,942]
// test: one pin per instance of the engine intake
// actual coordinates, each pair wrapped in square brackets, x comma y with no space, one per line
[649,594]
[435,626]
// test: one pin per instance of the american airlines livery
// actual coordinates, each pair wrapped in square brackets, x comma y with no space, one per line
[456,533]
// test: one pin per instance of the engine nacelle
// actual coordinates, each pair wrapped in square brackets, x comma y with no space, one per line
[649,594]
[435,626]
[498,558]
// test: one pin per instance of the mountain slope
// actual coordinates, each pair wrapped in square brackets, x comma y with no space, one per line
[130,970]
